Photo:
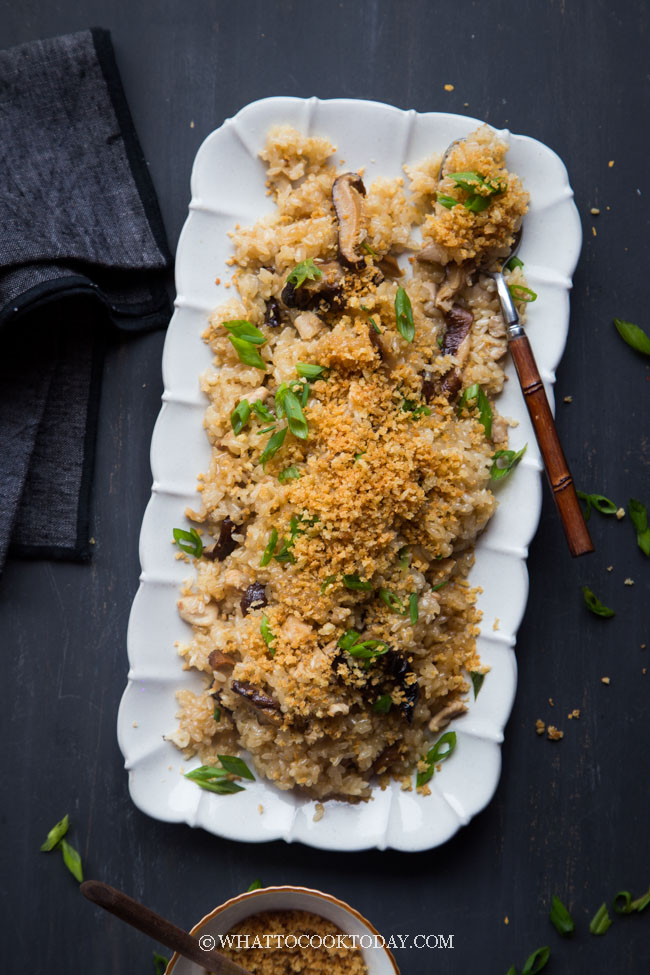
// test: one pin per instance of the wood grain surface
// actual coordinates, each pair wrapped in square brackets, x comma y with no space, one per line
[570,817]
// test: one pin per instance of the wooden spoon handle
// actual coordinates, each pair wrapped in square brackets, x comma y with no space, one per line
[557,469]
[158,927]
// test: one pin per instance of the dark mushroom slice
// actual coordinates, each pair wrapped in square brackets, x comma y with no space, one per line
[386,758]
[348,192]
[456,342]
[268,711]
[397,667]
[375,341]
[429,388]
[219,660]
[225,544]
[253,598]
[389,267]
[327,288]
[272,317]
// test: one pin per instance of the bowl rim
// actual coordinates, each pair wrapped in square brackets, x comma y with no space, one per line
[274,888]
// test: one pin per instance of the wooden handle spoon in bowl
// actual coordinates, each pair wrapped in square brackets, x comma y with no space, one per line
[159,928]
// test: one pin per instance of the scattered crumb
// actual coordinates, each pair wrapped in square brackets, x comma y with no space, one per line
[554,734]
[260,809]
[449,87]
[551,702]
[594,231]
[628,582]
[540,727]
[574,714]
[608,208]
[595,211]
[170,768]
[192,124]
[506,920]
[568,399]
[605,680]
[217,280]
[92,541]
[643,646]
[135,724]
[227,284]
[610,568]
[620,513]
[610,163]
[495,625]
[643,671]
[465,104]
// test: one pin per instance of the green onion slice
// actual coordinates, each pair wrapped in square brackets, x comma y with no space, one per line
[439,585]
[393,602]
[414,613]
[352,581]
[188,541]
[594,604]
[404,557]
[415,409]
[160,963]
[475,393]
[236,766]
[635,337]
[626,906]
[267,635]
[256,885]
[467,181]
[216,714]
[560,917]
[440,752]
[273,444]
[477,679]
[289,474]
[303,271]
[536,961]
[404,315]
[447,201]
[295,416]
[247,353]
[327,582]
[513,263]
[520,293]
[308,370]
[245,331]
[599,502]
[262,412]
[641,903]
[368,249]
[270,548]
[56,834]
[368,649]
[213,779]
[240,416]
[72,860]
[504,462]
[383,704]
[639,518]
[601,921]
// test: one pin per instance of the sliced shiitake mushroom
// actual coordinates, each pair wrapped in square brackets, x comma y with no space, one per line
[272,313]
[225,544]
[253,598]
[310,294]
[219,660]
[268,710]
[348,192]
[456,342]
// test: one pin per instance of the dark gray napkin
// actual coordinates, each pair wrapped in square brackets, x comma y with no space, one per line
[82,244]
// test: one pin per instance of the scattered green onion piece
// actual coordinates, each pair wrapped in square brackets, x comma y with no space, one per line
[594,604]
[512,970]
[260,433]
[635,337]
[273,445]
[601,921]
[536,961]
[72,860]
[520,293]
[477,203]
[160,963]
[383,704]
[404,557]
[560,917]
[626,906]
[295,416]
[404,315]
[513,263]
[289,474]
[245,331]
[477,679]
[188,541]
[328,582]
[371,319]
[467,181]
[446,201]
[392,601]
[308,370]
[599,502]
[256,885]
[262,412]
[267,635]
[368,649]
[474,392]
[303,271]
[435,756]
[414,614]
[216,714]
[304,396]
[240,416]
[641,903]
[368,249]
[247,353]
[236,766]
[415,409]
[270,548]
[504,462]
[348,639]
[352,581]
[639,518]
[359,456]
[439,585]
[56,834]
[213,779]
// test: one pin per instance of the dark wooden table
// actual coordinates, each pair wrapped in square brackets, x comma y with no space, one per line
[569,817]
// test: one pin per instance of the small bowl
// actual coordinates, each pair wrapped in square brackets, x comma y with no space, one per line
[378,959]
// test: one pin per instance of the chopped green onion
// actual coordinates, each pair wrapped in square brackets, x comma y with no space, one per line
[348,639]
[641,903]
[447,201]
[520,293]
[371,319]
[383,704]
[72,860]
[236,766]
[435,756]
[626,906]
[266,430]
[189,542]
[635,337]
[639,518]
[392,601]
[304,396]
[504,462]
[368,249]
[56,834]
[160,963]
[273,445]
[303,271]
[601,921]
[404,557]
[439,585]
[270,548]
[415,409]
[245,331]
[513,263]
[216,714]
[256,885]
[240,416]
[352,581]
[599,502]
[295,416]
[247,353]
[414,614]
[213,779]
[536,961]
[289,474]
[477,679]
[478,201]
[368,649]
[467,181]
[310,371]
[474,392]
[594,604]
[359,455]
[560,917]
[262,412]
[327,582]
[404,315]
[512,970]
[267,635]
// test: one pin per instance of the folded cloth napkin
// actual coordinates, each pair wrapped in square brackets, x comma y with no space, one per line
[82,243]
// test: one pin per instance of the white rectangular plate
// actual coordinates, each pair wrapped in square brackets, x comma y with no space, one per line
[228,187]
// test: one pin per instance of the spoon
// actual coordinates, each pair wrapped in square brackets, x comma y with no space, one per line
[160,928]
[555,463]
